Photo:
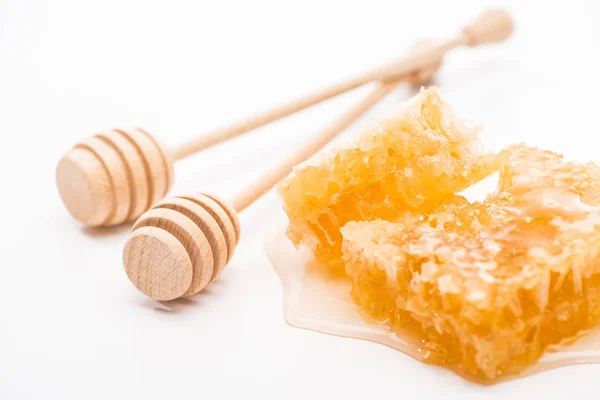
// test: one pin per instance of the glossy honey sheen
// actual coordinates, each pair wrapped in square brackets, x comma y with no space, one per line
[489,286]
[317,299]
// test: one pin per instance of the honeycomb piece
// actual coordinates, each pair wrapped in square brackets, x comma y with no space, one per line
[525,168]
[489,286]
[410,162]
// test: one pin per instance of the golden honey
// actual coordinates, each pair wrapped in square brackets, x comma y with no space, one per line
[410,162]
[488,286]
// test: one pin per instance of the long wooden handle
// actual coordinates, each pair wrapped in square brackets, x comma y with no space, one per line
[240,127]
[492,26]
[264,183]
[386,72]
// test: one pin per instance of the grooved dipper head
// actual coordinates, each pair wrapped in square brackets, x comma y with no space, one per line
[113,177]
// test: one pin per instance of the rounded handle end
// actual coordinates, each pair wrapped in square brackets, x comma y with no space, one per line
[492,26]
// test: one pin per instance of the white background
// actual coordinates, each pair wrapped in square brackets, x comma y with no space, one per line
[71,324]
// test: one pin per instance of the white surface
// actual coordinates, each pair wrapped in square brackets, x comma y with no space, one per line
[73,327]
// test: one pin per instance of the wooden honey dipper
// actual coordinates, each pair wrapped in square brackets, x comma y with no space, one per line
[182,244]
[115,176]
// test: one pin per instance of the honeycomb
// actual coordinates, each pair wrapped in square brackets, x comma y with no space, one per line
[409,162]
[489,286]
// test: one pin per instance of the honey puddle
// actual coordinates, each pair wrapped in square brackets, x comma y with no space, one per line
[319,302]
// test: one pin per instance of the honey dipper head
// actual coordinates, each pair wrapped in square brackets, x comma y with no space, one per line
[113,177]
[180,246]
